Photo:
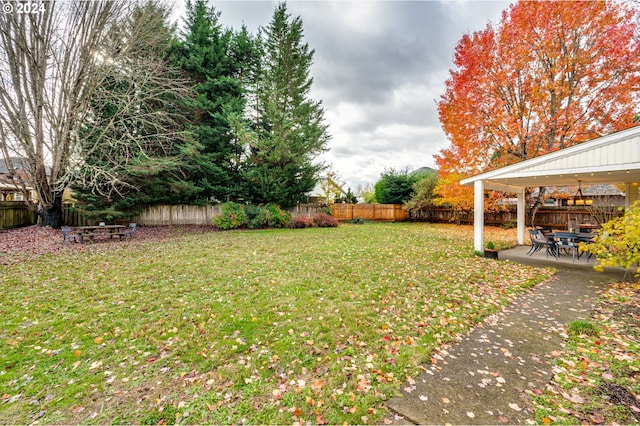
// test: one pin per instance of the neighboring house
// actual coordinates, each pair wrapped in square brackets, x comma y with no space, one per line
[588,195]
[326,191]
[10,188]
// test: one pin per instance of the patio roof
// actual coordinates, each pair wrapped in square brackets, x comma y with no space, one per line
[613,158]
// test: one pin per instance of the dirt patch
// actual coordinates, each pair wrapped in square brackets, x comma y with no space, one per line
[620,395]
[629,315]
[23,244]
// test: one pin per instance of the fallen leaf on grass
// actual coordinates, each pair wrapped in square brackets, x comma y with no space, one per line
[575,398]
[597,418]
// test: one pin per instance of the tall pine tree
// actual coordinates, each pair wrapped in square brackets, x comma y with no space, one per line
[216,60]
[289,129]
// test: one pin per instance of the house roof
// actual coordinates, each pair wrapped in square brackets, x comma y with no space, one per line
[614,158]
[318,190]
[16,162]
[601,189]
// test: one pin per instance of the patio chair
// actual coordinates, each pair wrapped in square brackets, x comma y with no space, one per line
[67,236]
[131,231]
[538,241]
[567,241]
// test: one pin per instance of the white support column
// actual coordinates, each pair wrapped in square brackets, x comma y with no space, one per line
[521,216]
[631,191]
[478,215]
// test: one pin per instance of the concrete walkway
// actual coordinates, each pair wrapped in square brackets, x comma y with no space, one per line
[486,377]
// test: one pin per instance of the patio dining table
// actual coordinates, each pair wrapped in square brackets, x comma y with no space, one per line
[554,248]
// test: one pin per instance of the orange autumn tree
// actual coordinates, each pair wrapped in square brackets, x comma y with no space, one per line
[460,198]
[451,193]
[550,75]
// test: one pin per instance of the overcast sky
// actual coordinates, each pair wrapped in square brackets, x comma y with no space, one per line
[379,69]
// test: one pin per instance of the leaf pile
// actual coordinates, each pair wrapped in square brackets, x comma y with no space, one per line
[316,325]
[597,376]
[24,244]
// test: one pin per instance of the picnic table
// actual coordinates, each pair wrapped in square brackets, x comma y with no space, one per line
[93,231]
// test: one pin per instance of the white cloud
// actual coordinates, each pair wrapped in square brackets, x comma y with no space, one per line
[379,69]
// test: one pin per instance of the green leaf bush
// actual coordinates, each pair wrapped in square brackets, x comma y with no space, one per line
[249,216]
[618,242]
[276,217]
[235,215]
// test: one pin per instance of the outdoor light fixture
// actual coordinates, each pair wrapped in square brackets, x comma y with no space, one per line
[578,199]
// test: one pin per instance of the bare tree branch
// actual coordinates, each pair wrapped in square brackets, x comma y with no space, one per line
[53,67]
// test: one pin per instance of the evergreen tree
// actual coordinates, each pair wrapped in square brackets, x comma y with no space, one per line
[216,60]
[289,131]
[394,187]
[133,152]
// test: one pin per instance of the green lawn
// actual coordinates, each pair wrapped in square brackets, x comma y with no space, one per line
[597,374]
[274,326]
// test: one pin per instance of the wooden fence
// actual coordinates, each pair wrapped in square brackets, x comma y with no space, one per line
[177,215]
[375,212]
[553,217]
[163,215]
[73,217]
[14,214]
[445,215]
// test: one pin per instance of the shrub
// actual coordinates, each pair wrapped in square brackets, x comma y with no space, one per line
[618,242]
[276,217]
[300,222]
[256,217]
[236,215]
[320,219]
[323,220]
[510,224]
[233,216]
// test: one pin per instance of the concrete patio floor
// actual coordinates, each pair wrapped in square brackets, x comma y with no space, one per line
[519,254]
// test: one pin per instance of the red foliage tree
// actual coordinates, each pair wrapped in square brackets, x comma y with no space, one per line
[551,75]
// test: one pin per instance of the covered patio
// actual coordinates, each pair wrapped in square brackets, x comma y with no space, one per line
[613,159]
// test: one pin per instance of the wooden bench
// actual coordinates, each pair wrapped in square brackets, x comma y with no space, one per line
[88,235]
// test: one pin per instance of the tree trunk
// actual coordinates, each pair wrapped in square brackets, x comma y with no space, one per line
[52,215]
[537,204]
